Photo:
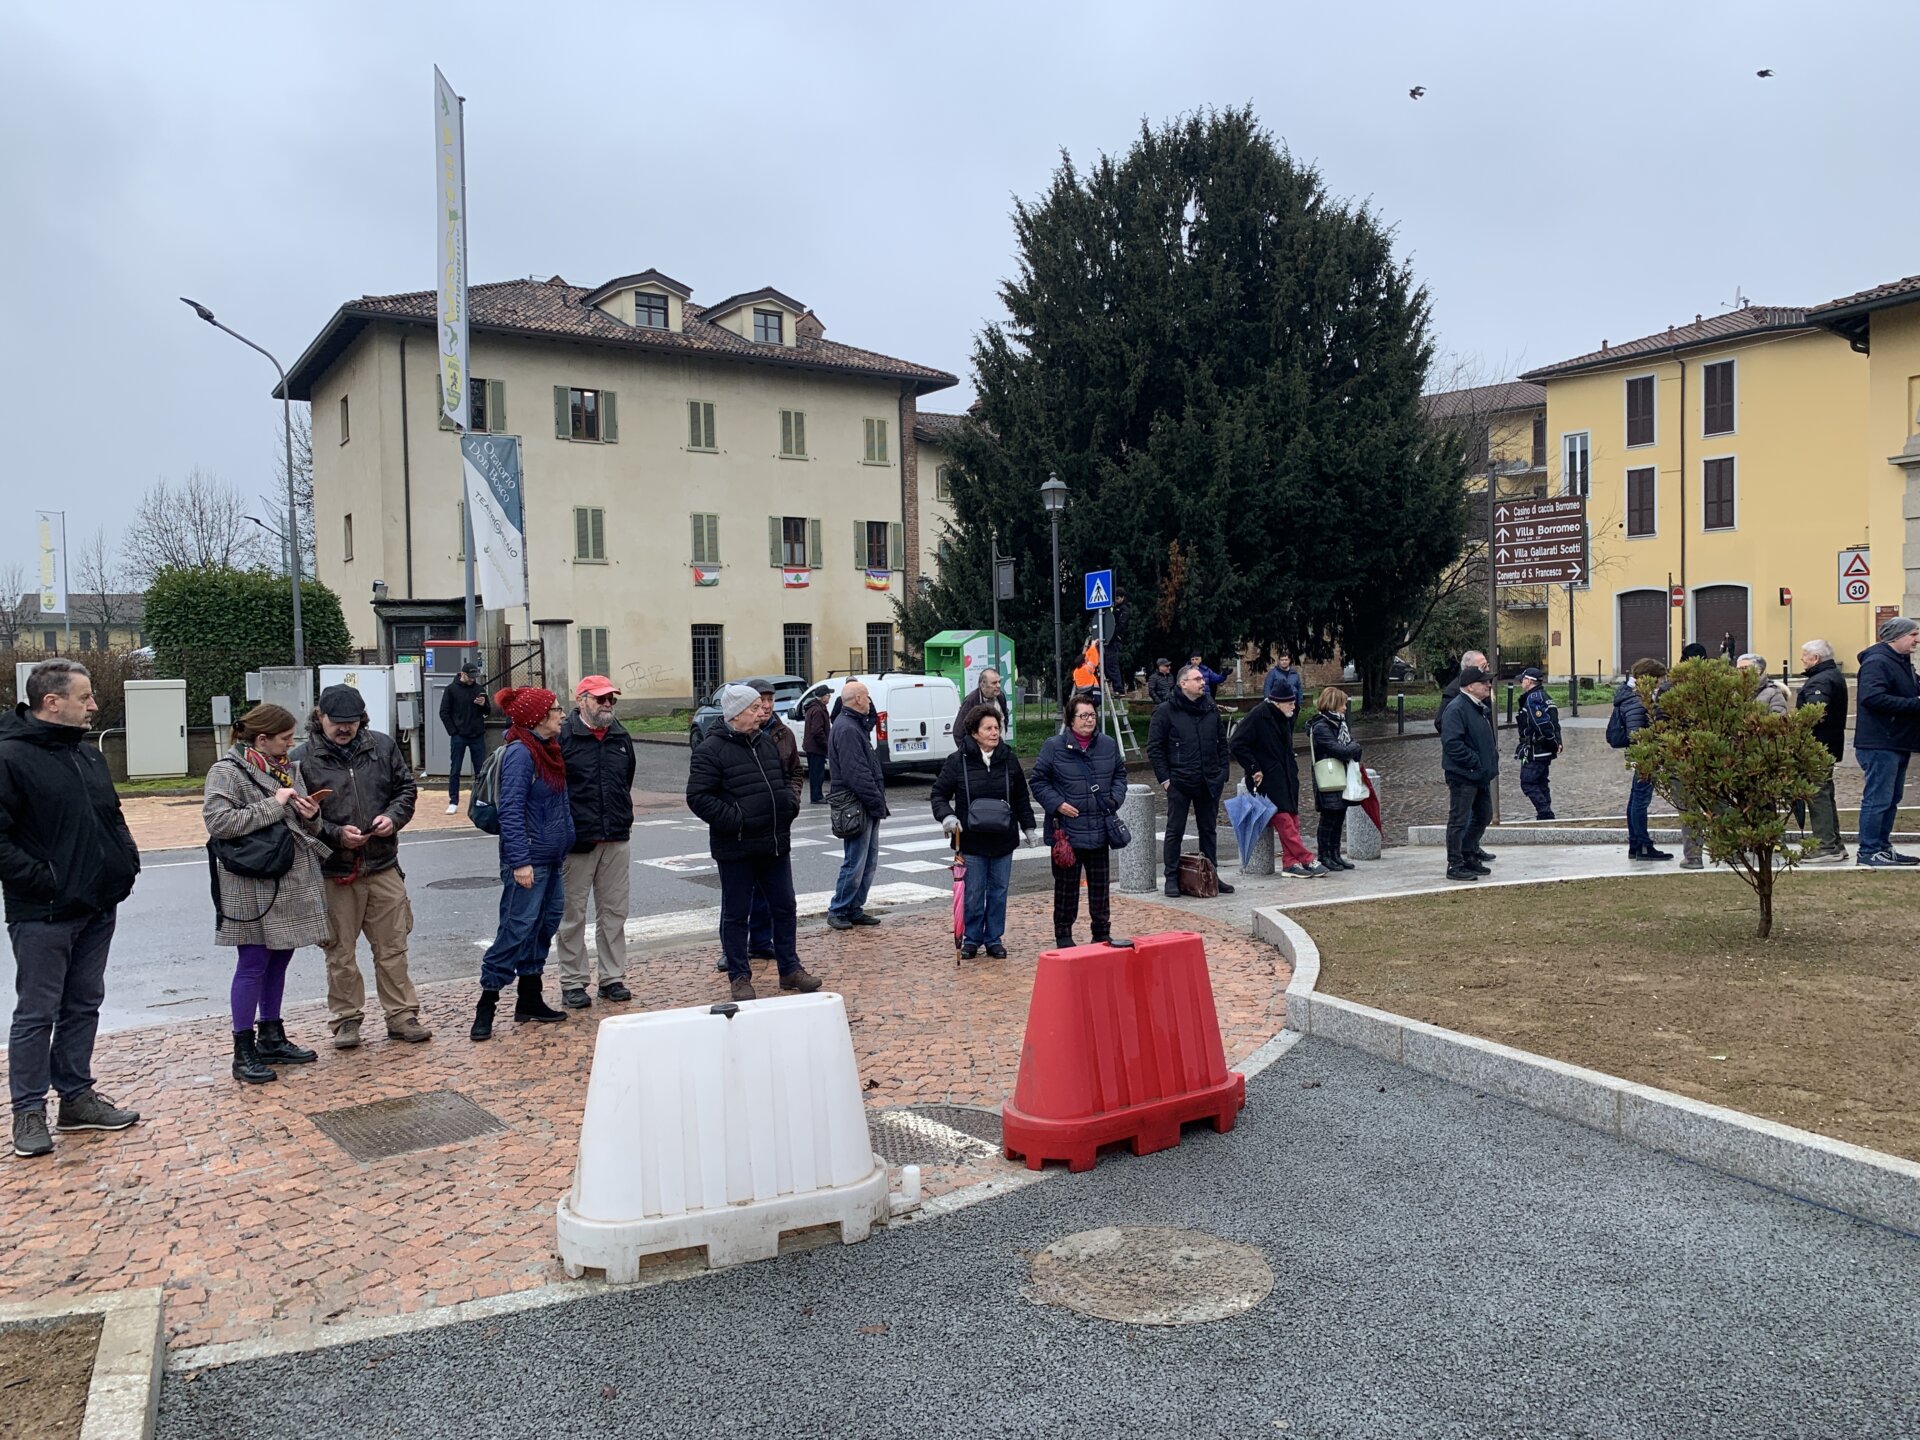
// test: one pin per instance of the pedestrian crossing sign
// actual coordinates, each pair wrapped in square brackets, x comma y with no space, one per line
[1099,589]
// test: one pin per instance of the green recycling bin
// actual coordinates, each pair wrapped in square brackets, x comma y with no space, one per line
[960,655]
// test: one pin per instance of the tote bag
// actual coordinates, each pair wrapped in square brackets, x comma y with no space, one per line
[1328,774]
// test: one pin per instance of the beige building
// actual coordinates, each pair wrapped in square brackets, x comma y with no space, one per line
[934,434]
[712,491]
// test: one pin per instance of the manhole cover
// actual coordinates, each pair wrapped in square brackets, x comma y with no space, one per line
[1150,1275]
[934,1135]
[466,882]
[412,1122]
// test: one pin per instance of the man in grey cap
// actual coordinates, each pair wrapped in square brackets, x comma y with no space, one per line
[1885,736]
[464,708]
[366,795]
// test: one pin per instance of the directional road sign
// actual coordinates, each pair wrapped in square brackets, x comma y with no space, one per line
[1540,542]
[1099,589]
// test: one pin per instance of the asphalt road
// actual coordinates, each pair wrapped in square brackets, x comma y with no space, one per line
[1447,1265]
[165,967]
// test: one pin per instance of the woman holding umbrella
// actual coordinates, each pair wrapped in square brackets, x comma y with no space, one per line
[981,801]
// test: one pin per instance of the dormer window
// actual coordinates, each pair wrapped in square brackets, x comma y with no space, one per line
[768,327]
[649,311]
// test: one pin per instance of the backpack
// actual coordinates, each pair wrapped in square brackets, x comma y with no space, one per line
[1618,736]
[483,808]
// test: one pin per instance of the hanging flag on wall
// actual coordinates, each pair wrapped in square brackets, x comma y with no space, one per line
[706,574]
[879,579]
[796,577]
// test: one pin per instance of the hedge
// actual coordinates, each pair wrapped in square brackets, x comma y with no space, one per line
[210,625]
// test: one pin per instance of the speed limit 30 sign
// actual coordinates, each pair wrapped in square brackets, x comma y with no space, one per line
[1856,577]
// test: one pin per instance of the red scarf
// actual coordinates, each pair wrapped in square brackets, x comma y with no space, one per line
[548,763]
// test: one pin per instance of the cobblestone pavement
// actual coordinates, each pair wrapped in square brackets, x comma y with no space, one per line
[259,1226]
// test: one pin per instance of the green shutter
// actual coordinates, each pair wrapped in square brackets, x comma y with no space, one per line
[786,432]
[599,534]
[582,533]
[859,544]
[816,552]
[609,421]
[773,539]
[445,423]
[897,545]
[562,414]
[497,406]
[693,424]
[799,432]
[699,541]
[706,413]
[713,539]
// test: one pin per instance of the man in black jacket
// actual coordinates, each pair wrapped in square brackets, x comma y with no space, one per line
[67,860]
[1885,735]
[1471,660]
[1187,745]
[1470,759]
[988,692]
[369,800]
[1161,684]
[857,771]
[1825,685]
[737,784]
[600,762]
[464,708]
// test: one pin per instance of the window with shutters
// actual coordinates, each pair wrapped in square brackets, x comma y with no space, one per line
[879,648]
[346,539]
[769,327]
[584,414]
[706,539]
[1576,457]
[649,311]
[793,434]
[708,669]
[875,452]
[589,534]
[793,541]
[1640,502]
[876,550]
[486,407]
[1640,426]
[796,650]
[1719,510]
[1538,460]
[1716,413]
[593,651]
[700,425]
[346,428]
[943,483]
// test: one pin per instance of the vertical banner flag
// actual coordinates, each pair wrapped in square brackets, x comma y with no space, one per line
[495,509]
[450,179]
[53,561]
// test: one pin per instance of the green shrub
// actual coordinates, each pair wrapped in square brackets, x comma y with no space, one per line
[210,625]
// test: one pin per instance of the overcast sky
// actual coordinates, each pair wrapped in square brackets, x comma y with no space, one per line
[1574,171]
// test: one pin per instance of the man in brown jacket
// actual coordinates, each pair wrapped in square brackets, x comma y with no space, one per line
[814,745]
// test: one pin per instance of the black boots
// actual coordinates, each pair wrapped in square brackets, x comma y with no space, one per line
[528,1004]
[270,1043]
[483,1016]
[247,1066]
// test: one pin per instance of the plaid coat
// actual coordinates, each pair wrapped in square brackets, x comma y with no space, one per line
[239,801]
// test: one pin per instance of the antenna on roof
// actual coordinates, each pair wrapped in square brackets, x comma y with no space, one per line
[1740,301]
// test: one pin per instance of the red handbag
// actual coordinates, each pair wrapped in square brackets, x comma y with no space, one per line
[1063,856]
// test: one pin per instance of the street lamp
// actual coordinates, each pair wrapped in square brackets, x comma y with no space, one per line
[293,524]
[279,536]
[1053,495]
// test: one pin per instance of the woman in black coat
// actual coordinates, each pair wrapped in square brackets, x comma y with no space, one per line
[1330,739]
[1263,744]
[1080,781]
[984,770]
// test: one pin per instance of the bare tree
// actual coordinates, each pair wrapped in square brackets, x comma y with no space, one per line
[275,511]
[199,522]
[13,611]
[100,599]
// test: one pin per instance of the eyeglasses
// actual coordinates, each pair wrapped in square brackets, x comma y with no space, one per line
[603,699]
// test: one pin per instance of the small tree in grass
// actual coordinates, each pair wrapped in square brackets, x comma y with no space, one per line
[1730,767]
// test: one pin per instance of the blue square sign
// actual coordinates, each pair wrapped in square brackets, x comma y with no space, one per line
[1099,589]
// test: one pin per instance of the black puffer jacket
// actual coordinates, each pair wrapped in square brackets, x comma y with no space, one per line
[1187,744]
[65,850]
[368,779]
[1468,754]
[1263,744]
[599,781]
[1827,686]
[1093,781]
[1329,738]
[966,775]
[1889,697]
[738,785]
[459,716]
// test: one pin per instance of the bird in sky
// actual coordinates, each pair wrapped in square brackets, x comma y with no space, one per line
[1417,91]
[1764,74]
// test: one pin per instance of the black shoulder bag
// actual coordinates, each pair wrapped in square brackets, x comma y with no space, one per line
[263,854]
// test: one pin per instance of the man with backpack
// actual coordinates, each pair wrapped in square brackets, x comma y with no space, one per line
[1629,717]
[1540,742]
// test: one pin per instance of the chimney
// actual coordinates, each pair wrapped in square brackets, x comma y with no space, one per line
[1696,319]
[808,327]
[1603,345]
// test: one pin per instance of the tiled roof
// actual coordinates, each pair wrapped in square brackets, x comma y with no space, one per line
[931,428]
[1748,320]
[1891,292]
[1483,400]
[555,310]
[132,607]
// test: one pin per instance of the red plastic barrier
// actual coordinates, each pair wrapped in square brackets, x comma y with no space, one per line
[1121,1044]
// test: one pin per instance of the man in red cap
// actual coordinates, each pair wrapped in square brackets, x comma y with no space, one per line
[600,763]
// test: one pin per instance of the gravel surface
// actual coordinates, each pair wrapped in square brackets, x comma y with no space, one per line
[1448,1265]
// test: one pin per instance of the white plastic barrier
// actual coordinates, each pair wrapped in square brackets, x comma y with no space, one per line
[702,1130]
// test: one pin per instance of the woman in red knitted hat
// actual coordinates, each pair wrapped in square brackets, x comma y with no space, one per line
[536,831]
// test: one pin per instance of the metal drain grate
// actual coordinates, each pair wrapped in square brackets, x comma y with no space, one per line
[934,1135]
[466,882]
[413,1122]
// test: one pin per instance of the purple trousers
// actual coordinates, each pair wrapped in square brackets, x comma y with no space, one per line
[259,980]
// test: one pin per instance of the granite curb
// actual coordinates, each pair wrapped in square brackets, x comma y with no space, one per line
[123,1397]
[1582,835]
[1851,1179]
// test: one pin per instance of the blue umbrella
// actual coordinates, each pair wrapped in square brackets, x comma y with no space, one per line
[1249,813]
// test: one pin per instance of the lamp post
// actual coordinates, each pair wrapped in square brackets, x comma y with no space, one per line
[293,523]
[1053,495]
[279,537]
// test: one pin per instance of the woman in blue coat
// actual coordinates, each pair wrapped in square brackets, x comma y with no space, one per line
[1080,781]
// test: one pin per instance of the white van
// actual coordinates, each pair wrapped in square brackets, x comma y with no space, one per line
[916,715]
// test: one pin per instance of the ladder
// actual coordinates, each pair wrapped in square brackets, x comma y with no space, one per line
[1114,719]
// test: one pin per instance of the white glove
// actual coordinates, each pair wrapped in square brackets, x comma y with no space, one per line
[1029,839]
[951,825]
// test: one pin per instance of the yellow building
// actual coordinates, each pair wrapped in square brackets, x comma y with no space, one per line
[935,435]
[1720,464]
[110,621]
[712,491]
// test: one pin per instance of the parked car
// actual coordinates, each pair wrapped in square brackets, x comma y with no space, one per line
[1398,672]
[915,728]
[707,719]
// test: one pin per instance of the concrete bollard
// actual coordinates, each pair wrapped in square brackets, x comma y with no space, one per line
[1136,869]
[1362,841]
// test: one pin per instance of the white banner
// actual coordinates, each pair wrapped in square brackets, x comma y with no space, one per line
[53,561]
[497,513]
[450,180]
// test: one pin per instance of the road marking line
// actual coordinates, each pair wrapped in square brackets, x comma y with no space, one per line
[706,919]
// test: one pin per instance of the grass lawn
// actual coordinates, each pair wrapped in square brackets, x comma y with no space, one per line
[1661,981]
[166,785]
[1427,702]
[673,724]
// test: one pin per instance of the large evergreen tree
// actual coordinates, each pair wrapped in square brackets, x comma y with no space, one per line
[1224,364]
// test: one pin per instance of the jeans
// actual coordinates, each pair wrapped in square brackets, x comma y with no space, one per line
[1886,772]
[458,747]
[817,778]
[986,898]
[857,864]
[1469,812]
[259,982]
[60,976]
[1639,801]
[741,883]
[1066,896]
[528,920]
[1536,783]
[1206,817]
